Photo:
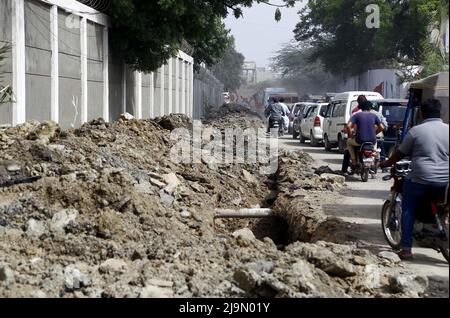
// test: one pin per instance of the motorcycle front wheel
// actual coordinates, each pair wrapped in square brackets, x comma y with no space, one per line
[392,224]
[444,244]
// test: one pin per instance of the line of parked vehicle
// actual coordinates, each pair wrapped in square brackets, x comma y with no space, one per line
[324,123]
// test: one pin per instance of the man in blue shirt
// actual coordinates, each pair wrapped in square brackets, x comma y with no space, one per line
[428,146]
[366,125]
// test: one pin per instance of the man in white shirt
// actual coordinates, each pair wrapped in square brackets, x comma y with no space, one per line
[287,111]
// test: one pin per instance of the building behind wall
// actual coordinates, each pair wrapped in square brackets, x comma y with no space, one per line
[62,68]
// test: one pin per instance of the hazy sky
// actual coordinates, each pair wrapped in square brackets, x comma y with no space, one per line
[258,35]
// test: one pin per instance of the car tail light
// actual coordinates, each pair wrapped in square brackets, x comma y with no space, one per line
[368,154]
[317,122]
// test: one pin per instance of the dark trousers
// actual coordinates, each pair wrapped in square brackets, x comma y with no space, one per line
[346,162]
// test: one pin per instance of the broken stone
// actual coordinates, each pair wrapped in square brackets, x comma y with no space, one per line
[245,233]
[144,188]
[74,279]
[198,188]
[40,152]
[151,291]
[333,178]
[372,277]
[13,167]
[6,274]
[157,183]
[44,132]
[62,219]
[35,229]
[246,279]
[166,199]
[160,283]
[409,284]
[113,266]
[59,148]
[184,213]
[261,266]
[249,177]
[323,170]
[126,117]
[390,256]
[172,182]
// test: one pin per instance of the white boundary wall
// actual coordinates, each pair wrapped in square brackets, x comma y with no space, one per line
[168,90]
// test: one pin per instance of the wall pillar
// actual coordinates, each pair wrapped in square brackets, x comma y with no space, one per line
[84,71]
[106,75]
[18,62]
[138,94]
[55,64]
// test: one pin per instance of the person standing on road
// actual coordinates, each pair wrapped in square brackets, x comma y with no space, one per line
[428,146]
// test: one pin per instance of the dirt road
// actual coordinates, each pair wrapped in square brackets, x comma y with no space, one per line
[361,204]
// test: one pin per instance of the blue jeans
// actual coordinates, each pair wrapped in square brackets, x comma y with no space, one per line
[412,195]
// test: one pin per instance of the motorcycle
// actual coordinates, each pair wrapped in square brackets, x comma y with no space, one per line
[368,160]
[431,229]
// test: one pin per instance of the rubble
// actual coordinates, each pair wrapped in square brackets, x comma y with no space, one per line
[115,217]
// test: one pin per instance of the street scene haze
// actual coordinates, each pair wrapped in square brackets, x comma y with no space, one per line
[224,149]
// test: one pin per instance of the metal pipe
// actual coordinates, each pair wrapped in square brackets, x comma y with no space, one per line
[242,213]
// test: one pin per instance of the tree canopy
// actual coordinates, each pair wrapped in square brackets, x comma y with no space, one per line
[342,41]
[229,68]
[148,33]
[299,72]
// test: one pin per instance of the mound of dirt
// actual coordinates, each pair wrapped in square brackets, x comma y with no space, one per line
[102,211]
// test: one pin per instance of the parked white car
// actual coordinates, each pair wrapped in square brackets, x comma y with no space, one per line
[338,115]
[311,127]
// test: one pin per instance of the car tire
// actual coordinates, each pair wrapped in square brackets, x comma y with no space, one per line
[326,143]
[314,142]
[302,138]
[294,134]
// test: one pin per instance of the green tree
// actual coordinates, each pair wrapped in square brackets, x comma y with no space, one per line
[435,57]
[229,69]
[147,33]
[337,29]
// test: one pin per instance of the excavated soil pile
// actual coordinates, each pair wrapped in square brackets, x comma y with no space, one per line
[102,211]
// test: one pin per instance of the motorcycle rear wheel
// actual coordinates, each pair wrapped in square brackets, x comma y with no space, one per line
[394,238]
[365,175]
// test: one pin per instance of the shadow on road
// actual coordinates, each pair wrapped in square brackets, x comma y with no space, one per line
[333,161]
[351,211]
[368,194]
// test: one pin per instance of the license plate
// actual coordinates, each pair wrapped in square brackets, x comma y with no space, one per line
[368,160]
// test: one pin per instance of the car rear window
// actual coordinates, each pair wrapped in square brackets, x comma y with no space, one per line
[394,113]
[324,110]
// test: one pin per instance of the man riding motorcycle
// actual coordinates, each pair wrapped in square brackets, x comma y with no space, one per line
[275,112]
[367,125]
[287,111]
[428,147]
[361,100]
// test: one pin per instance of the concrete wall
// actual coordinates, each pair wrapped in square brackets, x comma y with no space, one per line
[208,92]
[6,68]
[87,80]
[369,80]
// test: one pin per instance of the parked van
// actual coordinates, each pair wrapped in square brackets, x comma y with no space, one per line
[338,115]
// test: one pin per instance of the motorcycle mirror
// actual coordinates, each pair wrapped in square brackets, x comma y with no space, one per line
[387,178]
